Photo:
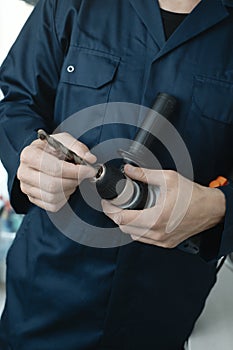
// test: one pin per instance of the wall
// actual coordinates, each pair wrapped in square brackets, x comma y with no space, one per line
[13,14]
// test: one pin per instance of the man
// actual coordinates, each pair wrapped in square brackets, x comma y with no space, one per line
[74,54]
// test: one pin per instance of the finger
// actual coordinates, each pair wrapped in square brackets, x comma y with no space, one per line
[47,197]
[47,206]
[138,233]
[29,151]
[84,172]
[154,177]
[76,146]
[38,143]
[148,241]
[117,214]
[45,182]
[144,240]
[43,145]
[146,218]
[40,160]
[166,244]
[155,238]
[37,157]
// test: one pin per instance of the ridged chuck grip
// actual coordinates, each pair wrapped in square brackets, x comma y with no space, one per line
[111,183]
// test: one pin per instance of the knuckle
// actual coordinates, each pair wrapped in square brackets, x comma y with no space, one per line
[79,148]
[141,174]
[125,229]
[80,145]
[19,173]
[53,198]
[57,170]
[118,219]
[79,174]
[170,176]
[68,193]
[160,236]
[25,154]
[53,208]
[47,198]
[172,245]
[60,136]
[22,175]
[134,238]
[154,225]
[52,187]
[31,199]
[24,188]
[65,134]
[167,245]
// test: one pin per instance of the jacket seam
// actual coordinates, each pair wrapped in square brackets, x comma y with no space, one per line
[54,12]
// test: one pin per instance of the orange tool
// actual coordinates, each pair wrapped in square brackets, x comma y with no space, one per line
[219,181]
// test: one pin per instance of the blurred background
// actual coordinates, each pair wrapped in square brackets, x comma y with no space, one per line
[213,330]
[13,14]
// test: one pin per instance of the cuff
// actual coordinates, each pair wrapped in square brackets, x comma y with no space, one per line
[226,244]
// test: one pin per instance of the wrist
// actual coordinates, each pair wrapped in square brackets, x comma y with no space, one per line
[215,205]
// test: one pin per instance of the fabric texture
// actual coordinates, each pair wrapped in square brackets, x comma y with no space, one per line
[62,294]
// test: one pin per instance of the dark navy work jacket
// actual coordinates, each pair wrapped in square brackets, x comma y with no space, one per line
[74,54]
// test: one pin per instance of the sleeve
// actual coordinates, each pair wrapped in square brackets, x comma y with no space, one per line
[28,80]
[226,243]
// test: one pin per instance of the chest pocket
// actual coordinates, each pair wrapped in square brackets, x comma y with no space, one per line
[86,78]
[214,99]
[209,128]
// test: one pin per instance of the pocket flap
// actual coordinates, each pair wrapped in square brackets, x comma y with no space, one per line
[88,67]
[214,98]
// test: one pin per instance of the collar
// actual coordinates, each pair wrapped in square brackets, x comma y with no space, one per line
[205,15]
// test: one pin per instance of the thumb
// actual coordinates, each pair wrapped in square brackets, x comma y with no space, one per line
[76,146]
[153,177]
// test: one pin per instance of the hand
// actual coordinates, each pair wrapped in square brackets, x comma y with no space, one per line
[47,181]
[183,209]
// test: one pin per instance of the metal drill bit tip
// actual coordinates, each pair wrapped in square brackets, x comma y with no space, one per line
[62,151]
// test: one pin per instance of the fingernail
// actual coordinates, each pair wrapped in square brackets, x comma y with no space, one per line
[129,168]
[90,157]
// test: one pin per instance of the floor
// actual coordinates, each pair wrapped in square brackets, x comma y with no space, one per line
[214,329]
[2,296]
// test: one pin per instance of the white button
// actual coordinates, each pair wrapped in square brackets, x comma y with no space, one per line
[70,69]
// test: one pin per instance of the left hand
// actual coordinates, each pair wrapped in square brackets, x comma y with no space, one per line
[183,209]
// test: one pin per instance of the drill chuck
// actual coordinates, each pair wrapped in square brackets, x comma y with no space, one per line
[111,182]
[113,185]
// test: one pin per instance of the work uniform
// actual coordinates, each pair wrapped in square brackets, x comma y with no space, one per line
[74,54]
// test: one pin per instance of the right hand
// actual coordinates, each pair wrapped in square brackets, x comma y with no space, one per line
[48,181]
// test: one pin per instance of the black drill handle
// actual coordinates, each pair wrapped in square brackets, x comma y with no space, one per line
[164,106]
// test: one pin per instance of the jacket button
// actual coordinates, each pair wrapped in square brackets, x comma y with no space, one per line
[70,69]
